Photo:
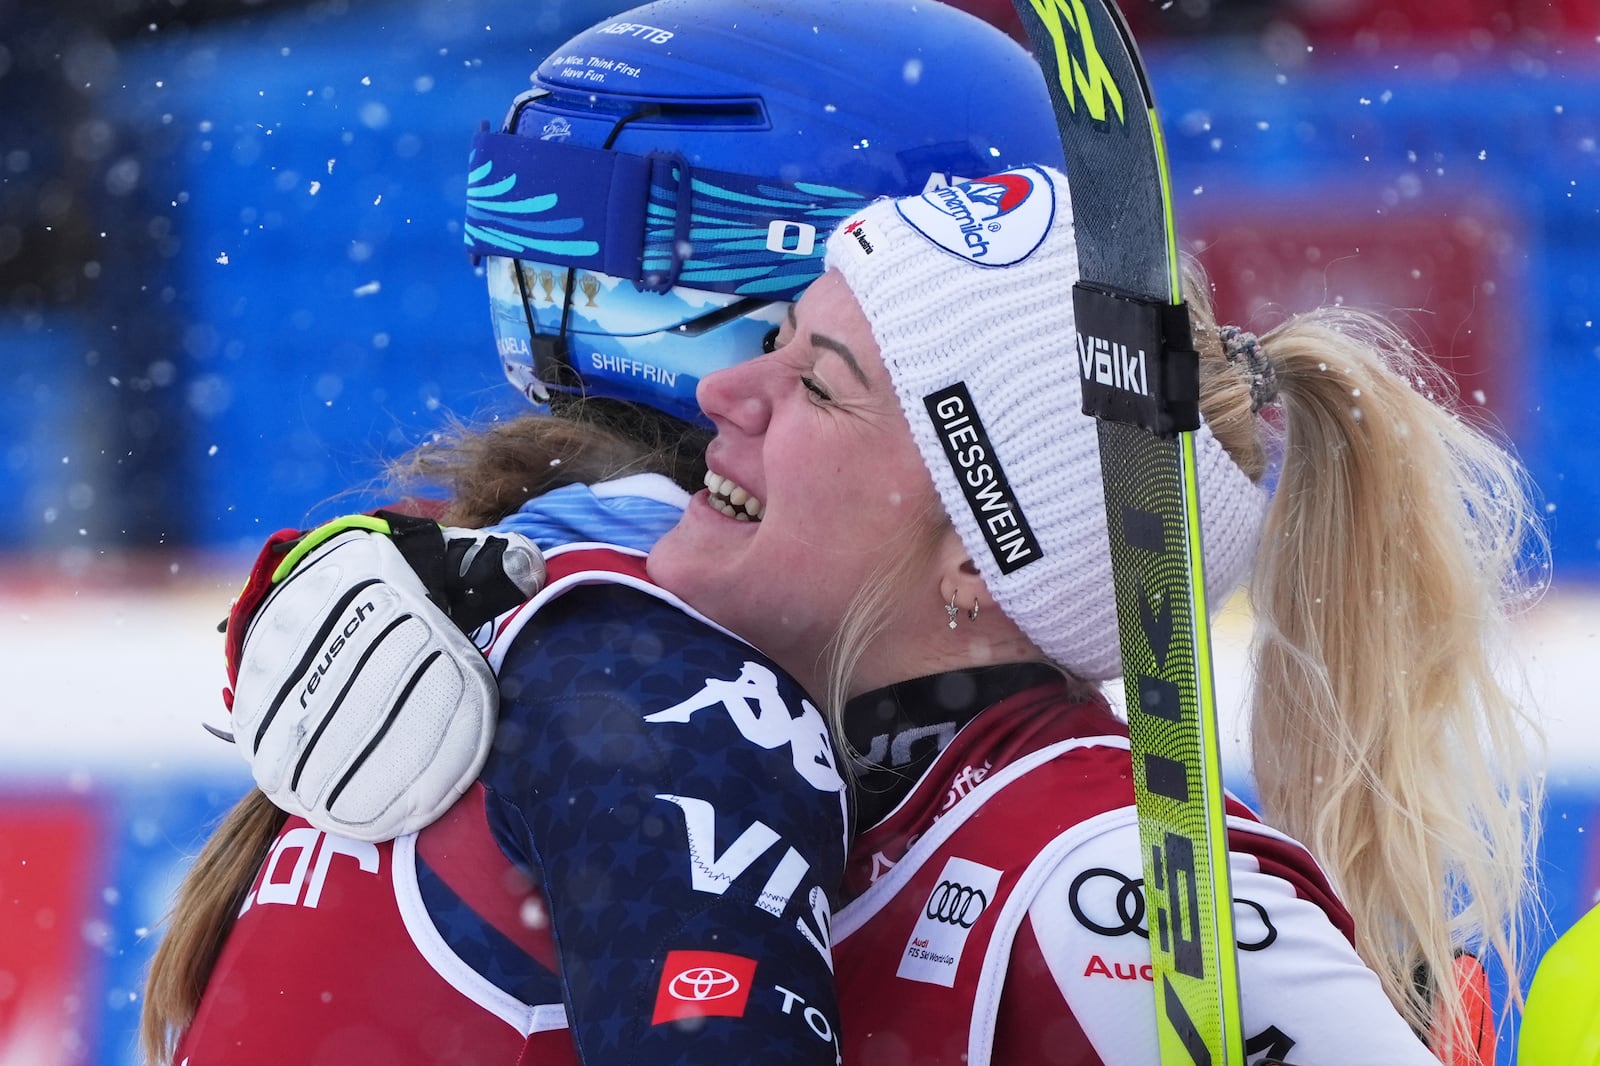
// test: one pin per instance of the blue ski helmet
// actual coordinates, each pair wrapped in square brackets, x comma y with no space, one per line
[656,200]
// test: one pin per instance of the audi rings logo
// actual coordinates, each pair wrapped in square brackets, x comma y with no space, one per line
[962,891]
[956,904]
[702,983]
[1129,903]
[1127,908]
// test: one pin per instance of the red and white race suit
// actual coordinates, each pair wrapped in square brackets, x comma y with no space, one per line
[997,913]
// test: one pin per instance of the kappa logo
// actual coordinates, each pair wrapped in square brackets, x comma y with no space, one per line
[703,984]
[762,716]
[994,221]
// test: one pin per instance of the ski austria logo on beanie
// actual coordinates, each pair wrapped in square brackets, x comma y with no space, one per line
[858,230]
[993,221]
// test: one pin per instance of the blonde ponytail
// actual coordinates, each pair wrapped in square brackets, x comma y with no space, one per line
[1382,736]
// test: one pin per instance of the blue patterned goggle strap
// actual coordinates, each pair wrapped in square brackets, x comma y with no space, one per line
[652,219]
[556,203]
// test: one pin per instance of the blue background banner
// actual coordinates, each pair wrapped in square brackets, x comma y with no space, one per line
[232,283]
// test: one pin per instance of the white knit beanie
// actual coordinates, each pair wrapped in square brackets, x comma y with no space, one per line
[969,293]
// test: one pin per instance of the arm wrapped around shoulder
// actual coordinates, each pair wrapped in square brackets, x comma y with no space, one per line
[358,699]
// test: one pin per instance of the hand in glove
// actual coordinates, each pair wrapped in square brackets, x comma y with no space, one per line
[357,697]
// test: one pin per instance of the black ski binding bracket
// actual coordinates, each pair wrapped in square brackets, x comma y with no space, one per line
[1137,360]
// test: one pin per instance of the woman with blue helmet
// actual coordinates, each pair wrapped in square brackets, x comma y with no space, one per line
[663,190]
[646,215]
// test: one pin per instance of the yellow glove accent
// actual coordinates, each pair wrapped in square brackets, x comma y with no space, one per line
[308,543]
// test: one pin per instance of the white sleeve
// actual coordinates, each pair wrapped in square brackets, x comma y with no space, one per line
[1305,995]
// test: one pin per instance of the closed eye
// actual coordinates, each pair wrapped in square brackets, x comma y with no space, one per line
[816,390]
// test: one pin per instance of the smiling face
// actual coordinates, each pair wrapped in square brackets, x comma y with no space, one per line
[815,486]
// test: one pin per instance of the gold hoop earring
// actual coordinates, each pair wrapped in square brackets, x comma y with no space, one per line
[973,614]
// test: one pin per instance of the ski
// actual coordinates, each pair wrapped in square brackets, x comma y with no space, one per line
[1140,380]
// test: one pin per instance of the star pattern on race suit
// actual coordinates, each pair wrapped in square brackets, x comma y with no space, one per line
[482,947]
[578,770]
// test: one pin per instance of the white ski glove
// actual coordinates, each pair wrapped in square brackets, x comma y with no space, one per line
[357,698]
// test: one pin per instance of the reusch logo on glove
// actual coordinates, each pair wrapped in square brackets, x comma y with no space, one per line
[334,648]
[993,221]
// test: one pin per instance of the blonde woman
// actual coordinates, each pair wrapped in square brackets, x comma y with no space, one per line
[936,393]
